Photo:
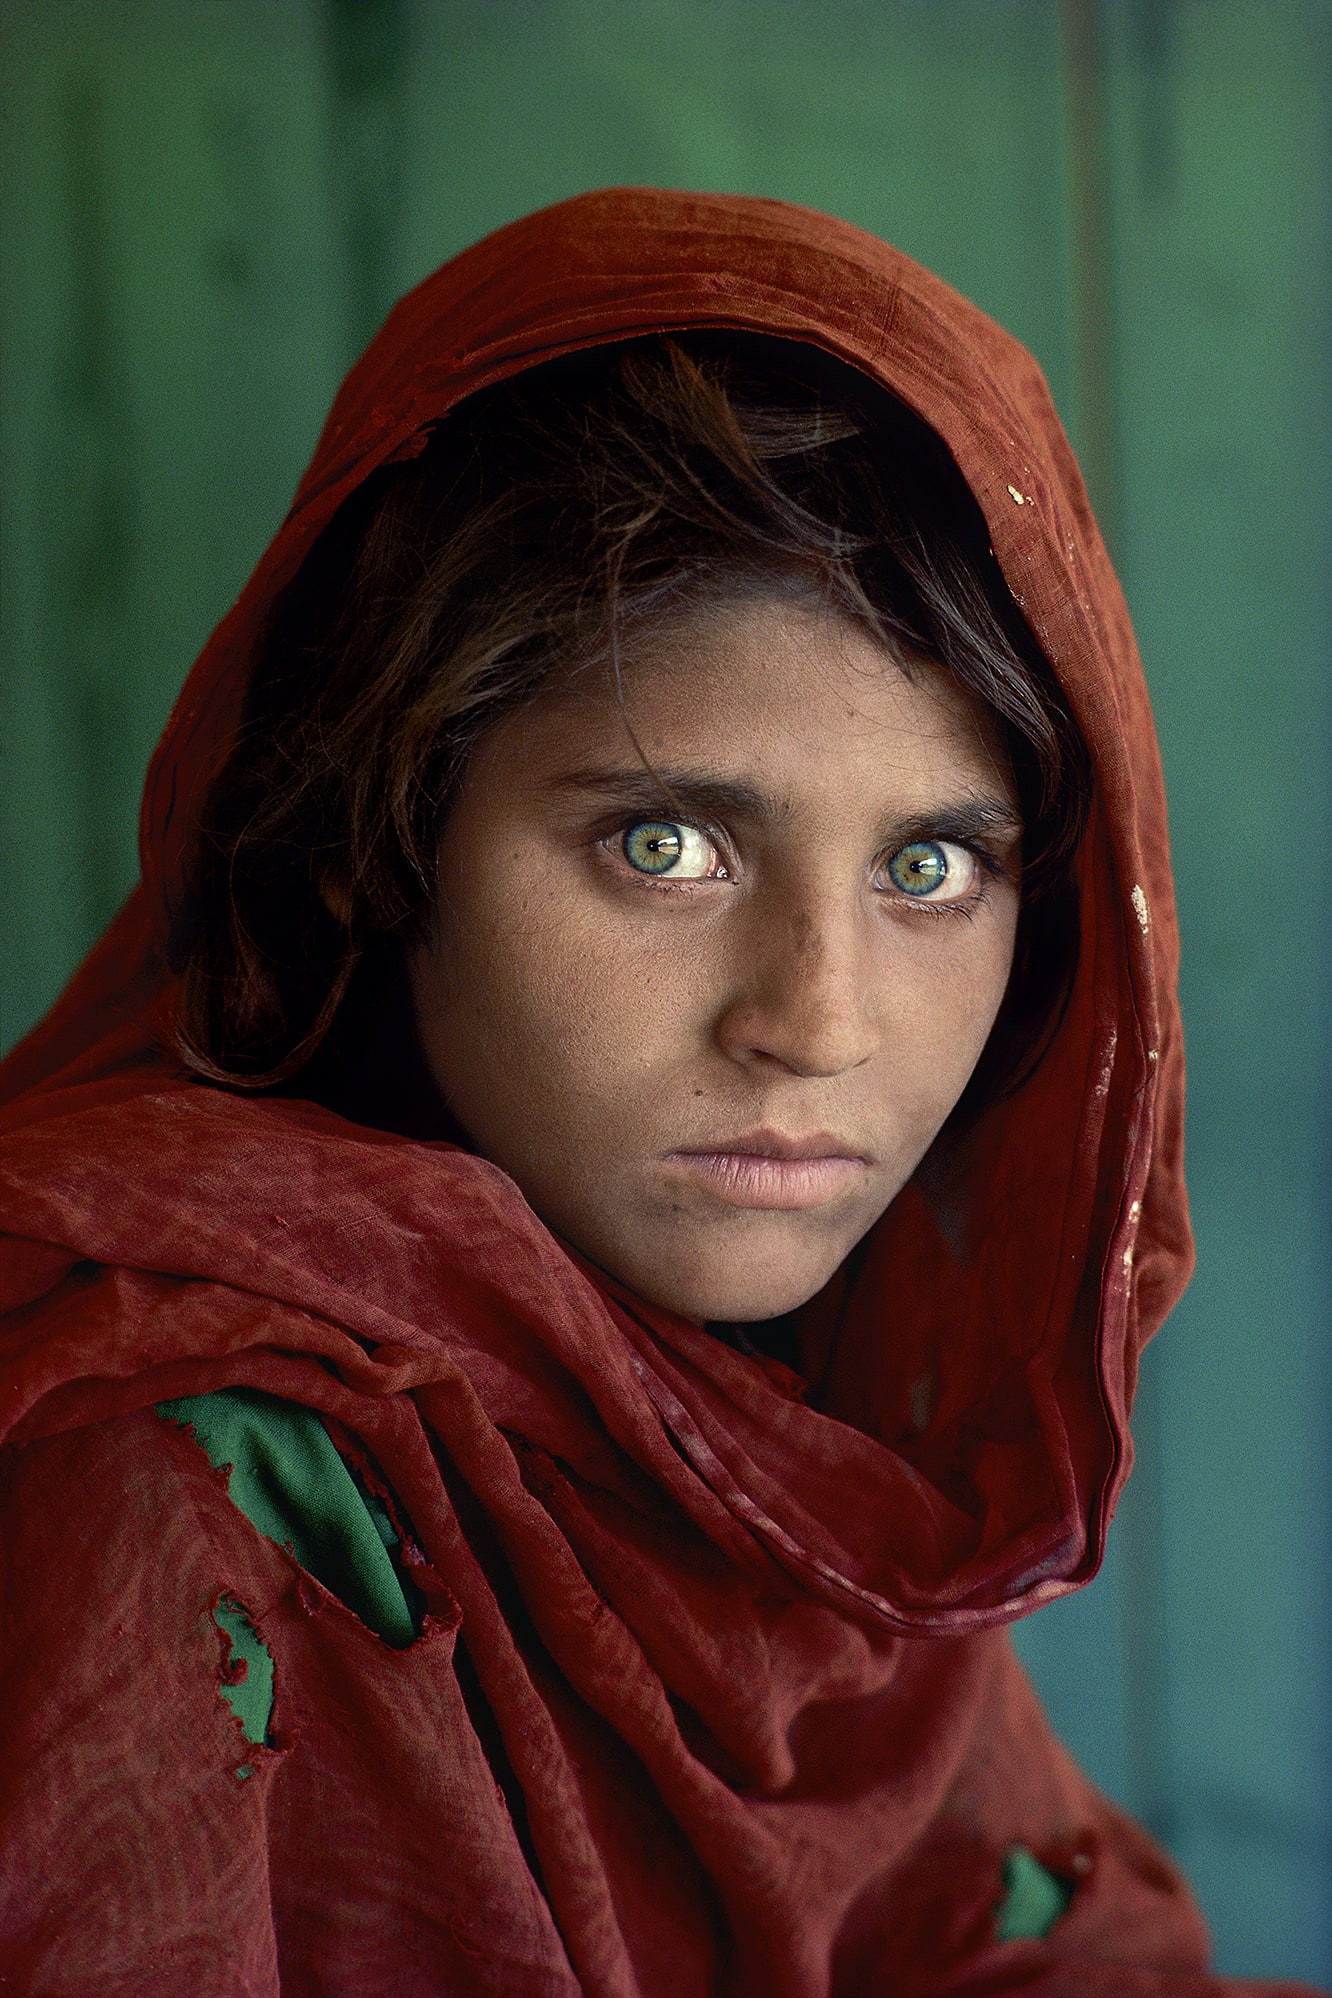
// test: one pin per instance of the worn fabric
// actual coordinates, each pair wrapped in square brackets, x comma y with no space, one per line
[284,1471]
[713,1692]
[286,1475]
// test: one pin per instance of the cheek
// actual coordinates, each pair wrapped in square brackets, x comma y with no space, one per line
[981,982]
[946,1006]
[533,1000]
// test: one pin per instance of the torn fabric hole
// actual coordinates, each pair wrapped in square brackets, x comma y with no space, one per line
[1034,1898]
[246,1679]
[285,1475]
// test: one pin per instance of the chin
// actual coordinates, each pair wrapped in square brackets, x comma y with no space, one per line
[718,1296]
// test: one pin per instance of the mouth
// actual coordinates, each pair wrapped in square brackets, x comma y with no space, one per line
[766,1169]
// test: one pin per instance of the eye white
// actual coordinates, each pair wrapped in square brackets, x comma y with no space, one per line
[696,855]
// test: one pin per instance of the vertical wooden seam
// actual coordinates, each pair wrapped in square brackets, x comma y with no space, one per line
[1087,177]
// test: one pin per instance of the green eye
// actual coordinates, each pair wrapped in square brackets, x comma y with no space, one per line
[920,868]
[657,846]
[933,868]
[653,847]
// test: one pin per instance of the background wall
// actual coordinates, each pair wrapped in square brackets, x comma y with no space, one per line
[207,207]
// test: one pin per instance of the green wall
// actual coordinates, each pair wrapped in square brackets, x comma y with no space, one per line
[206,208]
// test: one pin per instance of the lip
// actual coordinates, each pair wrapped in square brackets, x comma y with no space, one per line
[767,1169]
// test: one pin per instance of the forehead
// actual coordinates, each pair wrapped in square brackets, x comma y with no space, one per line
[792,695]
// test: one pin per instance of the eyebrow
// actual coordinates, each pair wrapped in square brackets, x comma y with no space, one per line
[974,815]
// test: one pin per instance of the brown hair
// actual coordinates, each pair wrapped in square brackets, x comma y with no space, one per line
[546,524]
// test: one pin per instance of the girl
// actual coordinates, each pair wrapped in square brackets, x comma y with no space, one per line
[579,1250]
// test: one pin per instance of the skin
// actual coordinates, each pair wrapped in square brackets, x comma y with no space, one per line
[635,1050]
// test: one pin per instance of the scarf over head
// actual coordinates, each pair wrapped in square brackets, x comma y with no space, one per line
[713,1693]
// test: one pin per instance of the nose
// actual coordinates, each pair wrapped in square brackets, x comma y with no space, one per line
[801,994]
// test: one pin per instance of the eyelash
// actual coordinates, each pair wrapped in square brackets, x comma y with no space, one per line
[991,869]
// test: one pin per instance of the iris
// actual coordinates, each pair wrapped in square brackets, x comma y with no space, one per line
[654,846]
[920,868]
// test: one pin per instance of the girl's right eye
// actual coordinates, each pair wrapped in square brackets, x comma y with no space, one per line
[663,848]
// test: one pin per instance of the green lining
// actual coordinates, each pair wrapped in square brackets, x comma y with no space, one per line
[247,1686]
[289,1481]
[1034,1898]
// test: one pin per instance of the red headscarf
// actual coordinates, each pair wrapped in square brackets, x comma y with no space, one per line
[686,1608]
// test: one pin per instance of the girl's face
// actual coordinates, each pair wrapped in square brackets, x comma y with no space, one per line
[711,1034]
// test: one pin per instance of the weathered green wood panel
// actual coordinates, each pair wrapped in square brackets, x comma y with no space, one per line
[167,359]
[1223,205]
[1221,199]
[206,207]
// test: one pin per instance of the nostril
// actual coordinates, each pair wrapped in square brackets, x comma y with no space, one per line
[804,1042]
[809,1024]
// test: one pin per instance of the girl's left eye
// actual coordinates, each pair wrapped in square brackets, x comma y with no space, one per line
[931,870]
[660,847]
